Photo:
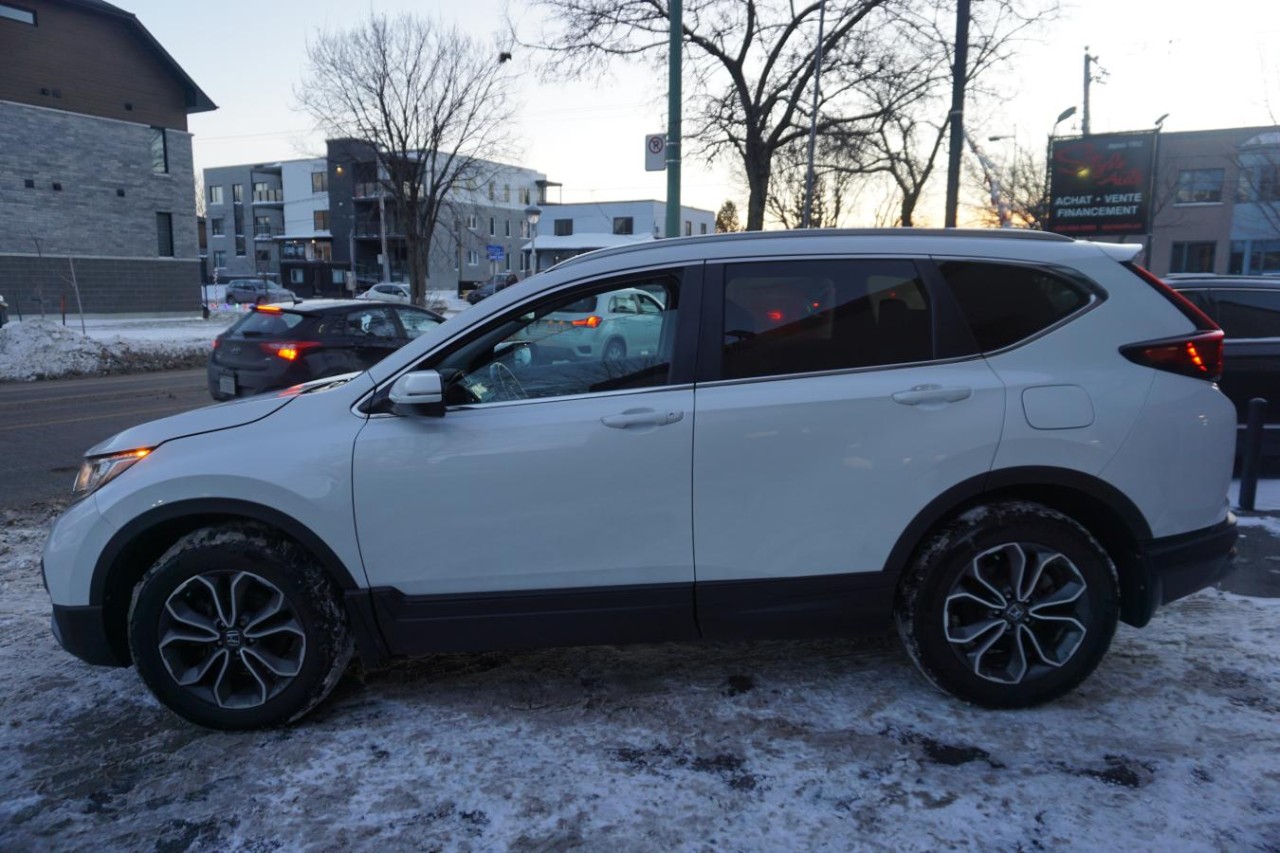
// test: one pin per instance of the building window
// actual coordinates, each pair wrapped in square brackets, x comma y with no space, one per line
[319,182]
[473,258]
[14,13]
[237,193]
[322,251]
[1259,183]
[1192,257]
[263,256]
[215,195]
[320,220]
[524,195]
[524,262]
[473,221]
[506,192]
[1199,186]
[262,226]
[624,225]
[491,193]
[688,228]
[164,235]
[219,259]
[1254,257]
[524,229]
[339,276]
[564,227]
[702,228]
[296,276]
[493,227]
[239,245]
[217,227]
[506,228]
[159,151]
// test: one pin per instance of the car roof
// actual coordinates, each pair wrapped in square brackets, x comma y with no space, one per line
[1207,280]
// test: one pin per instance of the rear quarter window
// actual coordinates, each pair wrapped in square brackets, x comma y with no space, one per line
[1008,303]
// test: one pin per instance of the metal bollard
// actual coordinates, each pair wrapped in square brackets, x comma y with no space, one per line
[1252,460]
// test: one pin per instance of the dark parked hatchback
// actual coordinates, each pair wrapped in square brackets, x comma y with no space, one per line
[1248,310]
[275,347]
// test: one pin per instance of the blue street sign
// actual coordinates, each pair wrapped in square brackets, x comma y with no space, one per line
[496,253]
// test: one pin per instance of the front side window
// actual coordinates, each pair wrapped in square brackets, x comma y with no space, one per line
[1007,303]
[808,316]
[159,151]
[1248,313]
[1199,186]
[1192,257]
[569,345]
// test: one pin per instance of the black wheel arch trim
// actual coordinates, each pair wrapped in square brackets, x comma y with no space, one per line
[1135,579]
[224,507]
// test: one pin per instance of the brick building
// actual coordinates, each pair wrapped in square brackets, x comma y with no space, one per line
[95,167]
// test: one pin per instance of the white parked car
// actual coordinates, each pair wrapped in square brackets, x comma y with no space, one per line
[1002,443]
[602,326]
[388,291]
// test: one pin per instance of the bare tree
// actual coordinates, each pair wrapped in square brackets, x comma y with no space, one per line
[430,102]
[749,63]
[831,186]
[727,218]
[1021,187]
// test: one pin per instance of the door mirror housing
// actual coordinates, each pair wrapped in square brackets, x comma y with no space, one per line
[422,391]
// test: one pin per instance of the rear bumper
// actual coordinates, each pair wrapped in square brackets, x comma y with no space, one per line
[1176,566]
[82,630]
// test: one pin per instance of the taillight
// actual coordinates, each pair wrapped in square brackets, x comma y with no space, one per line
[216,342]
[1198,355]
[267,309]
[288,350]
[590,322]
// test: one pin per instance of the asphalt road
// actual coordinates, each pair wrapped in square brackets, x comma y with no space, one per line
[45,427]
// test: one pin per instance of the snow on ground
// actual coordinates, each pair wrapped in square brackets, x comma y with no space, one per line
[820,745]
[46,349]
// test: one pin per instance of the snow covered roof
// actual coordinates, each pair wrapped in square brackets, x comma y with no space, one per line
[584,241]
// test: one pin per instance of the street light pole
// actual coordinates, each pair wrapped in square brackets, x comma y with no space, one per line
[532,214]
[813,119]
[1048,155]
[675,42]
[959,75]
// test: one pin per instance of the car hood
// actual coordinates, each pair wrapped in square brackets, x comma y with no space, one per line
[233,413]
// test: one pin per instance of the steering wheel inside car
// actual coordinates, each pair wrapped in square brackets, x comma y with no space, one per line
[507,382]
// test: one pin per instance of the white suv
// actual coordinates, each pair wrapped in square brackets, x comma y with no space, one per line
[1000,442]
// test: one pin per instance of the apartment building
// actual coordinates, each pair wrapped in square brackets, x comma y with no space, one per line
[565,230]
[96,174]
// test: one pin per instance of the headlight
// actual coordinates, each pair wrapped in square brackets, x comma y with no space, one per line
[97,471]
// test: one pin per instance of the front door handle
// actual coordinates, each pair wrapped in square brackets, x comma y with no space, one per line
[932,394]
[642,417]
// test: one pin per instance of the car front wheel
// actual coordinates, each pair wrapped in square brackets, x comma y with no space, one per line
[236,628]
[1010,605]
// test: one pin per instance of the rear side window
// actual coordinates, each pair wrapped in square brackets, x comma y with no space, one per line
[1248,313]
[1007,303]
[373,322]
[267,324]
[415,322]
[789,317]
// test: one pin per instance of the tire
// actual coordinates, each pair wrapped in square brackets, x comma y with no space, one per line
[982,635]
[286,650]
[614,350]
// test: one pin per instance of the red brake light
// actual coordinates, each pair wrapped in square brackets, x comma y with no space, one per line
[288,350]
[775,316]
[591,322]
[1198,356]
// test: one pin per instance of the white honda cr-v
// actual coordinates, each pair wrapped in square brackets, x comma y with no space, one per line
[1000,442]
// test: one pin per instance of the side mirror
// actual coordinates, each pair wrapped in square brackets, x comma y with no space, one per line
[423,390]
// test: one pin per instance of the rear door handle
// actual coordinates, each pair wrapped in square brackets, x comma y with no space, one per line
[642,417]
[932,394]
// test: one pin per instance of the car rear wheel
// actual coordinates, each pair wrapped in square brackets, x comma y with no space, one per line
[235,628]
[1011,605]
[615,350]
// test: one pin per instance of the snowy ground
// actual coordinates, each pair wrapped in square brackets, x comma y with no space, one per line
[829,745]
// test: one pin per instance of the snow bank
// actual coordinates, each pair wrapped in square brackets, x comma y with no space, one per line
[44,349]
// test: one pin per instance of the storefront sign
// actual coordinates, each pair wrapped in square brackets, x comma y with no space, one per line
[1101,185]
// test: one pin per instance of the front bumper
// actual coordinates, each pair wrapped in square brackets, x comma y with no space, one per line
[1173,567]
[82,630]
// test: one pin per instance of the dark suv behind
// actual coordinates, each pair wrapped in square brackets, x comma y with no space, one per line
[278,346]
[1248,310]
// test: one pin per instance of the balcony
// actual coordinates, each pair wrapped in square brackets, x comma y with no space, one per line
[275,196]
[370,189]
[264,232]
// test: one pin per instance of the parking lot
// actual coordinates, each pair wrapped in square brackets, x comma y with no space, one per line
[771,745]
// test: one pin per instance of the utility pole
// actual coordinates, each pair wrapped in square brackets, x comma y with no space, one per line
[674,45]
[813,119]
[959,75]
[1089,62]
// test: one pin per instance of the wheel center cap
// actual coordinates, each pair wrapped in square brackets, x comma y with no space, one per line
[232,637]
[1014,613]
